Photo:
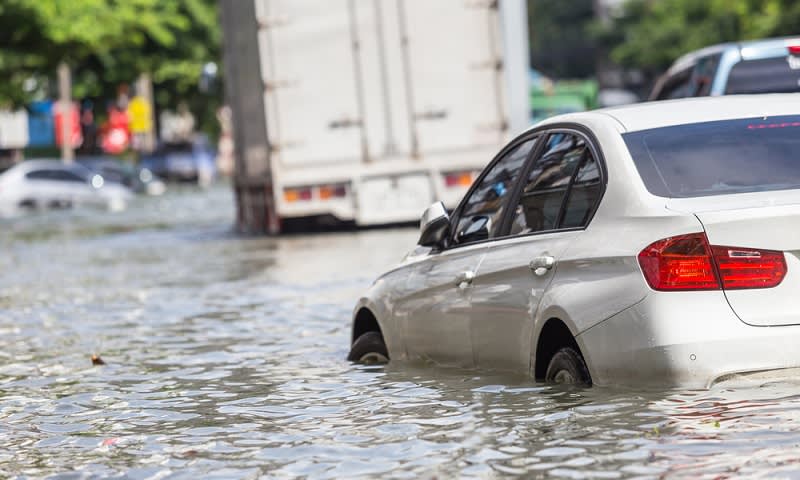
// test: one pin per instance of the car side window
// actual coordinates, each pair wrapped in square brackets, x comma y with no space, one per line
[703,76]
[676,86]
[39,175]
[539,204]
[69,177]
[584,193]
[481,213]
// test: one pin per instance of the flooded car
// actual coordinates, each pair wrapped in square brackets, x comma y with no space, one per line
[185,162]
[137,178]
[41,184]
[646,244]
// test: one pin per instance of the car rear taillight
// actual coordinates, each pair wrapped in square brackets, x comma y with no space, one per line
[679,263]
[688,262]
[748,268]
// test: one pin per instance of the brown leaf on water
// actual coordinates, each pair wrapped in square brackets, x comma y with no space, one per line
[96,360]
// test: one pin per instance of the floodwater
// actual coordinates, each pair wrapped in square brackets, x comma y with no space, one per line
[224,358]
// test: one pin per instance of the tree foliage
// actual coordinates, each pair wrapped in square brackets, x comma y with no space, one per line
[107,43]
[650,34]
[560,41]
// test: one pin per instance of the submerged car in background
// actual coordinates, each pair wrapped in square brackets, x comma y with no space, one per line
[137,178]
[655,244]
[186,162]
[39,184]
[759,66]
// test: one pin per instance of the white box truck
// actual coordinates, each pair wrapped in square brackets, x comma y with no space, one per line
[377,108]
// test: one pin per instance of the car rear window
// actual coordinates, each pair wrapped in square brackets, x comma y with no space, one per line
[767,75]
[718,158]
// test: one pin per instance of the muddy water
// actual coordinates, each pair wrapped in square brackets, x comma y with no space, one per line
[224,358]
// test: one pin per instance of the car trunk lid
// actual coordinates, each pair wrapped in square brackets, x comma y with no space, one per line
[756,222]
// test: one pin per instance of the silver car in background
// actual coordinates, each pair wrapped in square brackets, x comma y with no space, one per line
[758,66]
[43,184]
[656,244]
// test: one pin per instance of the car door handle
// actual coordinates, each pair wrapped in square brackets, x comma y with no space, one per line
[465,279]
[541,265]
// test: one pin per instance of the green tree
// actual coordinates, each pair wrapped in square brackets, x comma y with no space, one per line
[107,43]
[561,45]
[650,34]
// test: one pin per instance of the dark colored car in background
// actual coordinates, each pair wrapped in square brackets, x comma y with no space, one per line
[191,162]
[759,66]
[138,178]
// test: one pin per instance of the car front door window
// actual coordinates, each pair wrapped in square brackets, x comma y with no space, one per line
[482,212]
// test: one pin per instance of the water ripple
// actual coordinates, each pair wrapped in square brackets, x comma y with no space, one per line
[224,359]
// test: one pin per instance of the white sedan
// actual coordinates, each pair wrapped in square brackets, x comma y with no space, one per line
[656,243]
[51,184]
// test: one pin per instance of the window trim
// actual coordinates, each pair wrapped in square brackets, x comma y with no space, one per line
[536,136]
[591,142]
[543,132]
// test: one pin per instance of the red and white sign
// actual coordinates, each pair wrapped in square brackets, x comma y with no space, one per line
[73,118]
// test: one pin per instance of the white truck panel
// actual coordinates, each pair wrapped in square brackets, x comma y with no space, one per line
[385,96]
[453,50]
[310,85]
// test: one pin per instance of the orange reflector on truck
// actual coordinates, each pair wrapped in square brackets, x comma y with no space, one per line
[297,194]
[332,191]
[458,179]
[319,192]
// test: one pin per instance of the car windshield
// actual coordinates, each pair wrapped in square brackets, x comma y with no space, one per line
[717,158]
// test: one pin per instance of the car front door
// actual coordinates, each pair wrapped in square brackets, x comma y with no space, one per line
[561,191]
[436,316]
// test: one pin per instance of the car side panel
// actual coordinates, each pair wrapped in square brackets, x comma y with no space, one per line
[381,299]
[435,316]
[506,295]
[598,275]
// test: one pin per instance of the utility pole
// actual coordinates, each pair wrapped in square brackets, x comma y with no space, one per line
[65,106]
[245,86]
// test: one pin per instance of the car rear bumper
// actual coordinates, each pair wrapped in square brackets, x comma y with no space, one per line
[685,339]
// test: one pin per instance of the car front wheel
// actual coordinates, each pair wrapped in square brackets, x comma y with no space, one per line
[567,367]
[369,349]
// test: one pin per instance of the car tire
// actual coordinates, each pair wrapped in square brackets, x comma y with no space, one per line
[369,349]
[567,367]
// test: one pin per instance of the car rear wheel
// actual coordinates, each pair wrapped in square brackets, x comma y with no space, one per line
[567,367]
[369,349]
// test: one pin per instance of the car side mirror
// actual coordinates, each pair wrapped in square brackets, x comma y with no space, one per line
[434,226]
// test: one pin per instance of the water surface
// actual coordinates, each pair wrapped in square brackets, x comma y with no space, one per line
[224,358]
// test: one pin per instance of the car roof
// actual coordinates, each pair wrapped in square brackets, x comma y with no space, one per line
[748,49]
[48,164]
[665,113]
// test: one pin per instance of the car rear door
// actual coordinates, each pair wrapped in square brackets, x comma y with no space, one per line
[561,190]
[436,316]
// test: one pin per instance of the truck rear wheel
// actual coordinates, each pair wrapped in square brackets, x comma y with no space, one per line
[369,349]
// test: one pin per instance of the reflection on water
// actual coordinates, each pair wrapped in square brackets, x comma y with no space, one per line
[225,358]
